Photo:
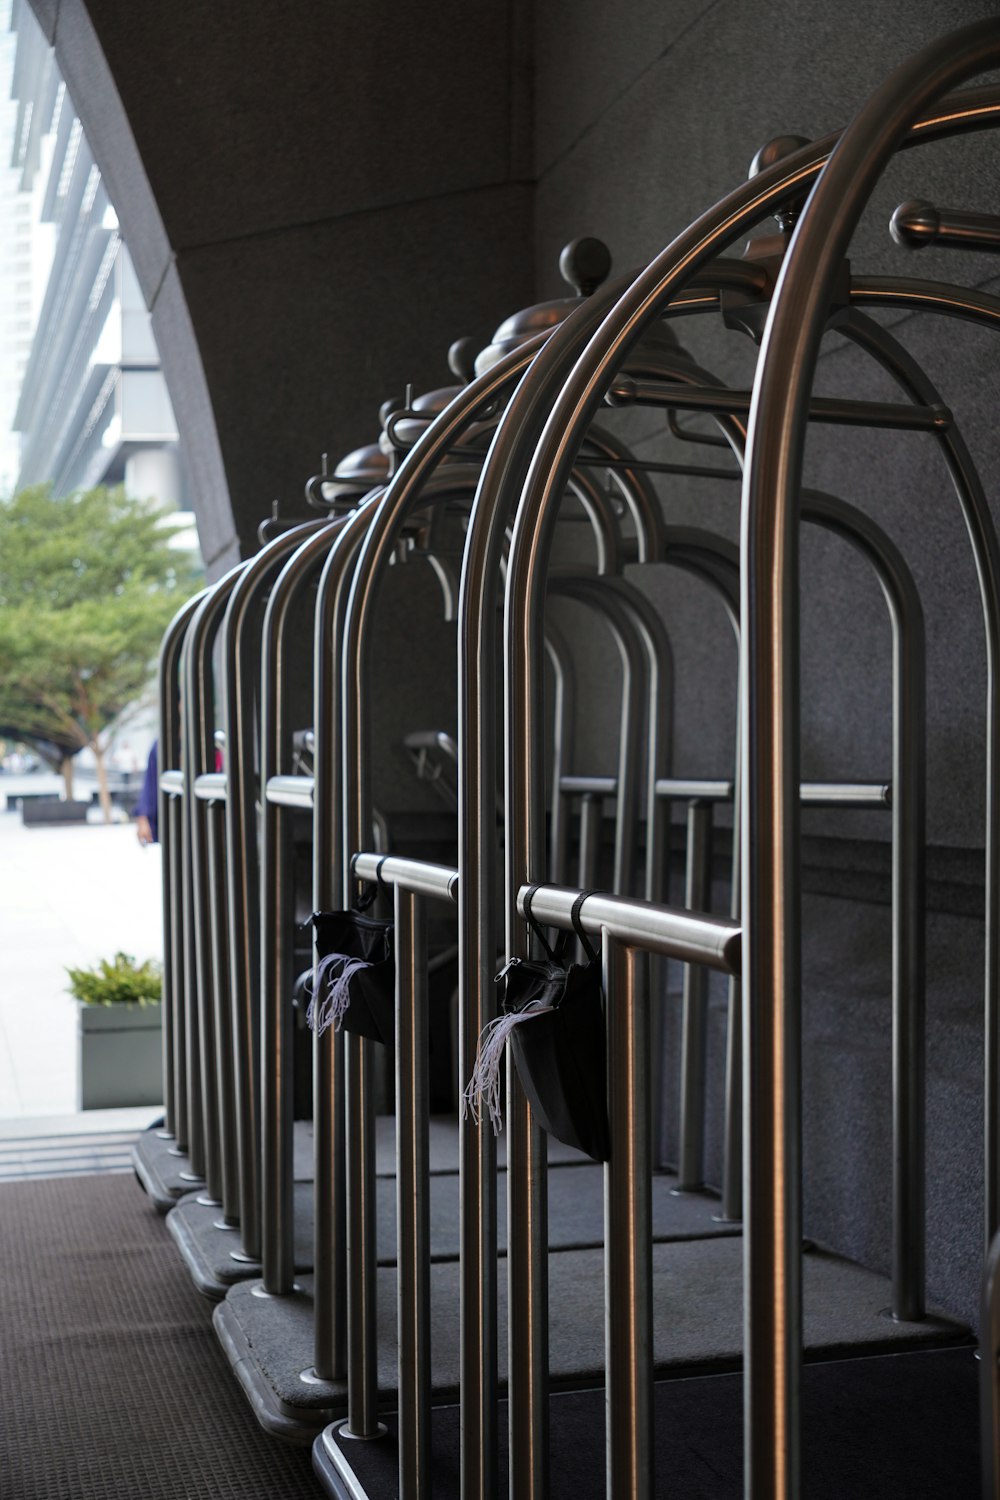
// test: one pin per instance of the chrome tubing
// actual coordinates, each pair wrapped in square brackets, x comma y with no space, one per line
[414,883]
[563,712]
[909,818]
[771,750]
[603,601]
[169,822]
[478,1150]
[277,920]
[629,931]
[240,687]
[205,1125]
[772,1233]
[225,1074]
[477,685]
[694,1006]
[330,892]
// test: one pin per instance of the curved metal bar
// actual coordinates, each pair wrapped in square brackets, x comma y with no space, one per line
[621,625]
[909,816]
[169,822]
[330,1310]
[478,1370]
[795,324]
[277,919]
[204,1122]
[891,355]
[477,681]
[563,714]
[240,686]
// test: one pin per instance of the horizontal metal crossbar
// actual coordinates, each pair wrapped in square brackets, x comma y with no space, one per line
[212,786]
[811,793]
[290,791]
[416,875]
[627,391]
[690,936]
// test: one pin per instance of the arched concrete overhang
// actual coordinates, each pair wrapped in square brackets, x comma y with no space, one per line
[317,197]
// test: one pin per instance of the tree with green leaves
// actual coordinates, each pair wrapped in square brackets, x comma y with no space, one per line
[88,584]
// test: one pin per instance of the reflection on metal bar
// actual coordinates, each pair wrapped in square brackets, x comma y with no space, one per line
[697,897]
[241,654]
[414,881]
[171,820]
[628,1253]
[290,791]
[413,1229]
[330,1311]
[211,786]
[689,936]
[649,466]
[917,223]
[811,793]
[416,875]
[589,786]
[279,639]
[627,391]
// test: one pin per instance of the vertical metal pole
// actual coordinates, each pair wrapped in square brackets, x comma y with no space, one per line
[591,818]
[229,1179]
[732,1165]
[362,1349]
[412,1197]
[563,710]
[628,1263]
[697,897]
[330,893]
[174,831]
[200,884]
[772,1104]
[277,1095]
[527,1298]
[192,1047]
[276,1062]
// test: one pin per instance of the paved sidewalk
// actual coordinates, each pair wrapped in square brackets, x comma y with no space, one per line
[68,896]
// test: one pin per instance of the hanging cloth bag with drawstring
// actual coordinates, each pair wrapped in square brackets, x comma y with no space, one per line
[354,980]
[553,1018]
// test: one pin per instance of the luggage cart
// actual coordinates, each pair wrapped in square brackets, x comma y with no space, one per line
[769,814]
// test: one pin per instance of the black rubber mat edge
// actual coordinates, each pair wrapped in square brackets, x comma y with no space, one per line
[274,1415]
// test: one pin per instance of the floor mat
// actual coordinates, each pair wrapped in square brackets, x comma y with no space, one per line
[112,1384]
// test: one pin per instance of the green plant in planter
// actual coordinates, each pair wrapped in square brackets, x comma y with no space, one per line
[119,982]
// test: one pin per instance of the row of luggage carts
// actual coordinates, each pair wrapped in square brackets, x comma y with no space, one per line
[341,1203]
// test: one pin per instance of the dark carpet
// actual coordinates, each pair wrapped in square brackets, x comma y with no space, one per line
[112,1384]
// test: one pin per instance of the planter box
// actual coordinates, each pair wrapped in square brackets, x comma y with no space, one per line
[39,810]
[119,1059]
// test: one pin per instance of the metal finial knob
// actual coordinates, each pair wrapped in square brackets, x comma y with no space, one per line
[462,359]
[774,151]
[584,264]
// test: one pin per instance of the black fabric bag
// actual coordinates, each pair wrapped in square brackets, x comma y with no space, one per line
[553,1017]
[354,982]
